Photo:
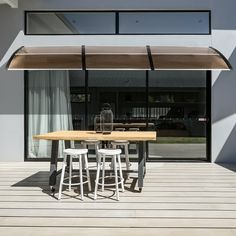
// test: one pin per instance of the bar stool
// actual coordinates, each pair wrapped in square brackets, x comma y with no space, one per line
[133,143]
[123,143]
[82,155]
[115,155]
[93,142]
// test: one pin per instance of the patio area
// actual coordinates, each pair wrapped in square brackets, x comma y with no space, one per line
[193,198]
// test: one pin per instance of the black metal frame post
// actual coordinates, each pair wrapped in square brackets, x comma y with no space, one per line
[86,100]
[147,95]
[147,114]
[26,114]
[208,115]
[83,55]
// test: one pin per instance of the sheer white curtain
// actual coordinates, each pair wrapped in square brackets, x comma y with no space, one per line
[49,109]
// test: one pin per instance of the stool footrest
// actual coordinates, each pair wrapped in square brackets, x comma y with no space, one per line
[121,180]
[74,184]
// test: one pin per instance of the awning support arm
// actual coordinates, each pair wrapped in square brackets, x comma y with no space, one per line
[150,57]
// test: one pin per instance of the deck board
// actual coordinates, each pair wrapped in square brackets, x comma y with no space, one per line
[177,199]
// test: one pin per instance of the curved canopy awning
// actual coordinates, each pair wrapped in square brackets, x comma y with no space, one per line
[46,58]
[118,58]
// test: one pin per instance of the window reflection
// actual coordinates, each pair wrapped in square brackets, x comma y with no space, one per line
[71,23]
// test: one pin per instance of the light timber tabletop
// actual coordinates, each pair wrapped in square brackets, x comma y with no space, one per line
[115,135]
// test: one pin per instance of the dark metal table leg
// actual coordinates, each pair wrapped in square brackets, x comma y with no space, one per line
[53,165]
[67,145]
[141,164]
[145,157]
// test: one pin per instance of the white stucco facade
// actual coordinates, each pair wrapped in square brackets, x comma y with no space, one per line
[223,84]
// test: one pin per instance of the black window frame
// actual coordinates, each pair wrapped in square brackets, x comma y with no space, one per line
[117,20]
[208,98]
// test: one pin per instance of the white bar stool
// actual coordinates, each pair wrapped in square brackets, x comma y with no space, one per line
[134,143]
[86,143]
[115,155]
[125,143]
[82,155]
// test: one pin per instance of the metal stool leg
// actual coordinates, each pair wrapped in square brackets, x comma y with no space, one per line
[87,171]
[83,161]
[62,176]
[112,160]
[81,177]
[97,177]
[116,179]
[96,151]
[121,174]
[70,172]
[103,171]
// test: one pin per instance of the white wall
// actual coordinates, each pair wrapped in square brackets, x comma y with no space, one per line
[11,83]
[11,91]
[224,84]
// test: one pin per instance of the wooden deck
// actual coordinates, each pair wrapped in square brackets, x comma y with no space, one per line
[178,199]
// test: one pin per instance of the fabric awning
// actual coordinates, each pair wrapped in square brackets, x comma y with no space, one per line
[118,58]
[47,58]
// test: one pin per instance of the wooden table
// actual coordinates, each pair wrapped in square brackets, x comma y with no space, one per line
[139,136]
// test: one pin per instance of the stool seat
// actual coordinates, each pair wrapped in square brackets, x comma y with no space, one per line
[109,152]
[71,151]
[90,141]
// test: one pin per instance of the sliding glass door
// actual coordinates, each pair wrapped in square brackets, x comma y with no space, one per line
[178,107]
[172,103]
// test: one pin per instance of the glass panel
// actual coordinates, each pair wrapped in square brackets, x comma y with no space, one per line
[116,58]
[124,91]
[77,96]
[47,58]
[70,23]
[164,23]
[177,107]
[129,22]
[184,58]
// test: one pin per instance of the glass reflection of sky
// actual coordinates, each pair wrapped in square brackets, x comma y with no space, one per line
[86,23]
